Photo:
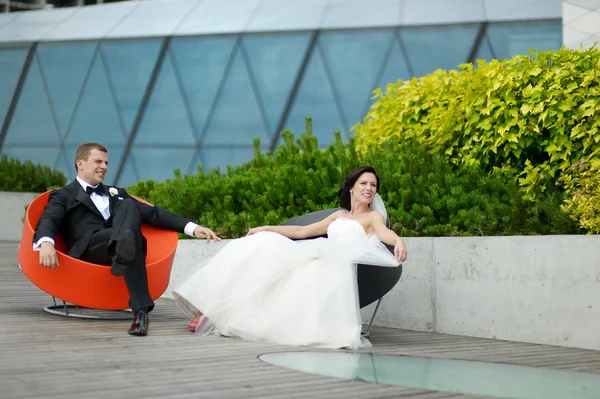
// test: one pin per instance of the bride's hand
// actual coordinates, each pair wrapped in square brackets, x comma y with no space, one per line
[400,251]
[255,230]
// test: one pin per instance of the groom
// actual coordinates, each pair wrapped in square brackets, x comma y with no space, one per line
[102,224]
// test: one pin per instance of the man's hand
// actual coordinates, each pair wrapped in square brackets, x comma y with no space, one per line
[205,232]
[400,251]
[48,256]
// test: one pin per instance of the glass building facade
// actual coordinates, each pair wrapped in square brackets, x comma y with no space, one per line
[164,96]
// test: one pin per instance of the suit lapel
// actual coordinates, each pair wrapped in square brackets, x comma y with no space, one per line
[77,192]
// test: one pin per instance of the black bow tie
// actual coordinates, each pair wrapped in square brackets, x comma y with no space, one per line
[99,189]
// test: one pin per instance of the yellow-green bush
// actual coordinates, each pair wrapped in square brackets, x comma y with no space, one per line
[583,204]
[529,115]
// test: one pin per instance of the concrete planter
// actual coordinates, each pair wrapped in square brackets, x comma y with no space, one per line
[12,211]
[541,289]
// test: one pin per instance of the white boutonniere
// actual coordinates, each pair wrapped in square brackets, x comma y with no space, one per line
[113,191]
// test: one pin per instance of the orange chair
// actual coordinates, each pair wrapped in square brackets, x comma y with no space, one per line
[85,284]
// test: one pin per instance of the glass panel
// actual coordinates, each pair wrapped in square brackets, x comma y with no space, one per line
[201,64]
[129,65]
[11,63]
[435,12]
[45,156]
[315,99]
[218,16]
[159,164]
[355,60]
[275,15]
[6,17]
[65,165]
[274,61]
[96,118]
[33,121]
[32,26]
[64,67]
[129,176]
[507,10]
[221,157]
[512,39]
[153,18]
[485,51]
[198,160]
[395,69]
[447,375]
[430,48]
[237,118]
[358,13]
[166,120]
[90,22]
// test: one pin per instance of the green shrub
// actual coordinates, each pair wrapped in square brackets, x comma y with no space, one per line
[424,194]
[529,115]
[27,176]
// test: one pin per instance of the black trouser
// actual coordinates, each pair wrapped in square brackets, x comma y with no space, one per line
[100,250]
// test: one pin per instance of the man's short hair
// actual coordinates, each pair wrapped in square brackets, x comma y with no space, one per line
[83,151]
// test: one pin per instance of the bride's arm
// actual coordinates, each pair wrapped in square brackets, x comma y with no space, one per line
[297,232]
[388,236]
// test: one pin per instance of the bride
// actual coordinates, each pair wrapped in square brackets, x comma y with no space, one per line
[266,287]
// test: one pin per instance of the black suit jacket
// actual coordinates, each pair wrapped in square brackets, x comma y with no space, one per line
[72,213]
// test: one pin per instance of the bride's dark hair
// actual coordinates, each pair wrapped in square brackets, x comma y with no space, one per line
[349,180]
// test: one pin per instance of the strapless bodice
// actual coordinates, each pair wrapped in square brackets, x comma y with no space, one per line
[344,229]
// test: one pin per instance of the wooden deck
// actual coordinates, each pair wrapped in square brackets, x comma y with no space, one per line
[45,356]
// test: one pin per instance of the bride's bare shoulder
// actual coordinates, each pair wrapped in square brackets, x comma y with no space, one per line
[376,216]
[338,214]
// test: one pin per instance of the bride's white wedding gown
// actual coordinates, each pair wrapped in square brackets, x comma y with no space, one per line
[268,288]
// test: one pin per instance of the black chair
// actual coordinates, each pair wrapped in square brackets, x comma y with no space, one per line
[373,281]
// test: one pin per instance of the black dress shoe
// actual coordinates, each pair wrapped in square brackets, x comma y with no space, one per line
[124,253]
[140,324]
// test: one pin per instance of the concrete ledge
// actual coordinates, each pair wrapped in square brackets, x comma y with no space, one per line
[12,211]
[540,289]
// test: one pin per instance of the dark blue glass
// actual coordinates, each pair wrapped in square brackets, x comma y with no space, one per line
[485,51]
[129,65]
[11,63]
[66,164]
[275,61]
[222,157]
[166,120]
[510,39]
[355,60]
[129,175]
[159,164]
[237,118]
[96,118]
[201,64]
[315,99]
[396,67]
[64,68]
[33,122]
[431,48]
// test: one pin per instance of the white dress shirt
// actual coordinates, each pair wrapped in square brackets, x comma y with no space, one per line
[102,203]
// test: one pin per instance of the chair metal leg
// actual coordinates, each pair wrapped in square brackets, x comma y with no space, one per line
[367,333]
[68,310]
